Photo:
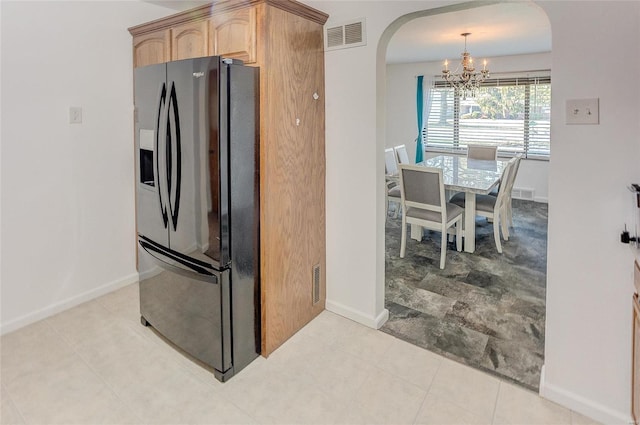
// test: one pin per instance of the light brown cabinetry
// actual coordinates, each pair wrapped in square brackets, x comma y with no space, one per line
[189,40]
[151,48]
[283,38]
[233,34]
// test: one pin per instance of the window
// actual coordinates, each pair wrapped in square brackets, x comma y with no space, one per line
[513,113]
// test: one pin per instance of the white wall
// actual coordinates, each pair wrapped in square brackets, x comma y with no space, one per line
[401,121]
[67,227]
[588,331]
[67,191]
[355,163]
[589,283]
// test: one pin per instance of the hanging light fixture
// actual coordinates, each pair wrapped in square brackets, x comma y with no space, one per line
[467,81]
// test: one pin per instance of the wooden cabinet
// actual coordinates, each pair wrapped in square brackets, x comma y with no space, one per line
[151,48]
[292,173]
[283,38]
[189,40]
[233,35]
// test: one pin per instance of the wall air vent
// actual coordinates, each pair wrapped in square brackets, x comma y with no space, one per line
[345,35]
[315,284]
[521,193]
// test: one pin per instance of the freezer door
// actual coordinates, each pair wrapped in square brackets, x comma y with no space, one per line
[150,100]
[192,310]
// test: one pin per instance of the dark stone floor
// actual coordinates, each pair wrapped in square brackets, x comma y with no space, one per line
[485,309]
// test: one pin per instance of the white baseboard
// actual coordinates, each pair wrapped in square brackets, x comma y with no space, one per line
[60,306]
[357,316]
[541,383]
[147,274]
[582,405]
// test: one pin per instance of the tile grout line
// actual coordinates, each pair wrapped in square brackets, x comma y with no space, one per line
[338,347]
[415,418]
[95,372]
[495,405]
[13,403]
[389,229]
[156,341]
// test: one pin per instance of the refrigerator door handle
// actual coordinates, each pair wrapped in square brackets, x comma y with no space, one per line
[178,263]
[161,124]
[174,156]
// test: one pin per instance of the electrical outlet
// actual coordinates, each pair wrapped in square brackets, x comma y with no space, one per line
[582,111]
[75,115]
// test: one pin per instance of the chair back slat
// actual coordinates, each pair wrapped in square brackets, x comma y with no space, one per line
[482,152]
[401,154]
[390,162]
[514,171]
[505,182]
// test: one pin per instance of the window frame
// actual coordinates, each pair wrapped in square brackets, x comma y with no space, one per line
[505,80]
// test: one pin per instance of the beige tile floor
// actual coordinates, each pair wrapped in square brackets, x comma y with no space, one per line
[96,364]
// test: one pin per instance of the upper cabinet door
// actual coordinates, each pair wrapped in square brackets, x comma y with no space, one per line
[233,35]
[151,48]
[189,40]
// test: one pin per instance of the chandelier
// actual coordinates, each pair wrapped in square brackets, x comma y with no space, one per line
[467,81]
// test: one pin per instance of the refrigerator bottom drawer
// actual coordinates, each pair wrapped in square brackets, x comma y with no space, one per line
[192,314]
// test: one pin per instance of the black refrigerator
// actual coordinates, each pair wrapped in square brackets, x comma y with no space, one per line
[197,208]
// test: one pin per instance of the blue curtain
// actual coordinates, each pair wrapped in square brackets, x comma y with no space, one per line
[420,105]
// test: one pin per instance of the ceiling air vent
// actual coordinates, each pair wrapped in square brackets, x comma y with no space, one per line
[345,35]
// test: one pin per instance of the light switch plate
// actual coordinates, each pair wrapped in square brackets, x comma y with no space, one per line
[583,111]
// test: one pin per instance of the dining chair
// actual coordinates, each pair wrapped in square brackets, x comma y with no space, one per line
[508,213]
[401,154]
[514,172]
[424,204]
[390,162]
[491,207]
[485,152]
[392,181]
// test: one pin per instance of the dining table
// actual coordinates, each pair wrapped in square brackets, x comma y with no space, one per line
[471,176]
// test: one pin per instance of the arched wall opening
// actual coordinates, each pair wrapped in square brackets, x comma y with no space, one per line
[410,281]
[540,167]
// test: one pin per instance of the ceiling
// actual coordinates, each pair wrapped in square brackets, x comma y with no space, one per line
[178,5]
[501,29]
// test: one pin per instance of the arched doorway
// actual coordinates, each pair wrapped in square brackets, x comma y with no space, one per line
[487,310]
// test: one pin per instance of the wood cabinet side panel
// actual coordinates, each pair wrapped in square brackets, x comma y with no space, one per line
[293,175]
[190,40]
